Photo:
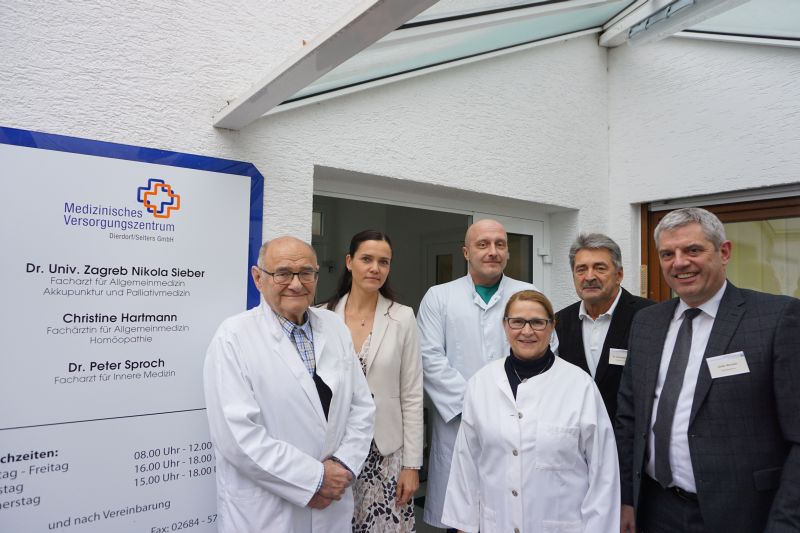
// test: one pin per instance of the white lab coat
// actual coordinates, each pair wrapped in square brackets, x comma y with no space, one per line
[546,462]
[268,427]
[459,334]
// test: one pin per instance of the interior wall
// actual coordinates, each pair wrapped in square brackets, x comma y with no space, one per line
[339,226]
[693,117]
[411,236]
[411,230]
[765,255]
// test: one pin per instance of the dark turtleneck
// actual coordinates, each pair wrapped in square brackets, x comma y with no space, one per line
[526,368]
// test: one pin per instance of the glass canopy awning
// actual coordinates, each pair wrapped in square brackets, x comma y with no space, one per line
[770,19]
[441,36]
[384,43]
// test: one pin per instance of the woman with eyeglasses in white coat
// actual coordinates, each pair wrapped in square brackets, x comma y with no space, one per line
[536,450]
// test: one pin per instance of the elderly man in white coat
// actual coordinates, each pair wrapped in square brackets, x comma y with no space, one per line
[290,413]
[460,325]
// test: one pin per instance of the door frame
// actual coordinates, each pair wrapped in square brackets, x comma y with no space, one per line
[516,213]
[743,211]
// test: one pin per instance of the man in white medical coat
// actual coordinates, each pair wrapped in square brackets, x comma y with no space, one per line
[460,325]
[290,413]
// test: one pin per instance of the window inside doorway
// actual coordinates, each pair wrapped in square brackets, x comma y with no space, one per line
[766,246]
[520,251]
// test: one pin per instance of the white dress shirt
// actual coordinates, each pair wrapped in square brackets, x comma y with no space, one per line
[679,457]
[594,332]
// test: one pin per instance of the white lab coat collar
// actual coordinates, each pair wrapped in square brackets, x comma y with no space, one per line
[317,329]
[501,379]
[288,352]
[497,296]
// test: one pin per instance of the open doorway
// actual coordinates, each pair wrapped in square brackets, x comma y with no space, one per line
[426,243]
[427,250]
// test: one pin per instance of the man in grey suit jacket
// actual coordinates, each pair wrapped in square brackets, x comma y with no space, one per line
[722,454]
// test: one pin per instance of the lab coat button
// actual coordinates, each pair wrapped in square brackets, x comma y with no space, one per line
[516,530]
[515,452]
[519,415]
[514,492]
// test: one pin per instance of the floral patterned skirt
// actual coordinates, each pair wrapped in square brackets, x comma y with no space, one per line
[375,493]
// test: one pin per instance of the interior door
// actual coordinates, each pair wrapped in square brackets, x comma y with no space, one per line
[444,261]
[525,240]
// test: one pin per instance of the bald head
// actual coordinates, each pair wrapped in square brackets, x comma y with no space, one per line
[486,251]
[480,226]
[283,242]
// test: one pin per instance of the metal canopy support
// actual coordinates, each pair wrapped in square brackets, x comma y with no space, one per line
[659,24]
[355,32]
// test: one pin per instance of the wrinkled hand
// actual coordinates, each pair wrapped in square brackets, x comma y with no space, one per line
[319,502]
[407,485]
[335,480]
[627,519]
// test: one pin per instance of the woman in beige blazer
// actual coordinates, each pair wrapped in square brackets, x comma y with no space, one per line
[385,339]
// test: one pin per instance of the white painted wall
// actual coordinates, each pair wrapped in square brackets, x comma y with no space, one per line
[532,124]
[687,117]
[154,73]
[696,117]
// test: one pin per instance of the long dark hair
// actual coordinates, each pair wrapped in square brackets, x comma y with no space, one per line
[346,279]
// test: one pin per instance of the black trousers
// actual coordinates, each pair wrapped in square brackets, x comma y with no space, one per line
[667,511]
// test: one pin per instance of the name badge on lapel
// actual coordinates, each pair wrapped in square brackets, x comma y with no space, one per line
[617,356]
[730,364]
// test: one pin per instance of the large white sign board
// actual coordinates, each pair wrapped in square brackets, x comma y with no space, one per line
[117,265]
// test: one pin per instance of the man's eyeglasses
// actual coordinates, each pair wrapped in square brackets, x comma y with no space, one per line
[537,324]
[284,277]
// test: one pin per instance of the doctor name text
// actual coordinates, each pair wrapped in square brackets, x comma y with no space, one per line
[99,318]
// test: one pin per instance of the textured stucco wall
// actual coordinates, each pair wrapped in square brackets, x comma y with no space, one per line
[532,124]
[152,73]
[686,117]
[694,117]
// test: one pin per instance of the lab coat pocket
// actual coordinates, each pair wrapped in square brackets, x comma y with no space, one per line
[562,526]
[248,511]
[488,521]
[556,446]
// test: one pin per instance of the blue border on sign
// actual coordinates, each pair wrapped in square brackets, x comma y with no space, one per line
[77,145]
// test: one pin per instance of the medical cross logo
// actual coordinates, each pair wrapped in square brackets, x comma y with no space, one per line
[158,198]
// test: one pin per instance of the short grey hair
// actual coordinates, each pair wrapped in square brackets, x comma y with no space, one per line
[595,241]
[261,252]
[712,226]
